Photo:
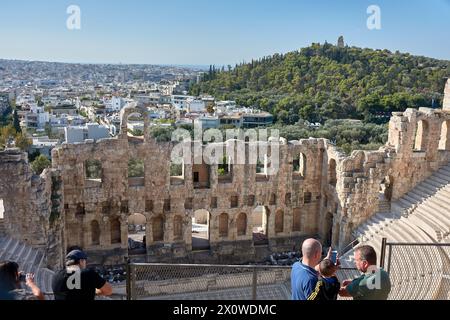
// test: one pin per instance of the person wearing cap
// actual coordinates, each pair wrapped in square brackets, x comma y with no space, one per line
[76,282]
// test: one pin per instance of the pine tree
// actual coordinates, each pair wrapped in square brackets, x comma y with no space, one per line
[16,122]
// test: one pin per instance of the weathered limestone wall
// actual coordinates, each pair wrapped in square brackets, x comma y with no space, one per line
[418,145]
[159,197]
[327,195]
[421,146]
[32,205]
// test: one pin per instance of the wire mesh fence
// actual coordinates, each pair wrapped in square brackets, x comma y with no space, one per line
[208,282]
[418,271]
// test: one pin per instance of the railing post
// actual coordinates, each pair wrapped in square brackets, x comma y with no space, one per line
[133,283]
[255,280]
[128,268]
[383,252]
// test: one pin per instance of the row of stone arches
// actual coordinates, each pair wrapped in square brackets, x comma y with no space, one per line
[422,136]
[254,226]
[242,225]
[114,228]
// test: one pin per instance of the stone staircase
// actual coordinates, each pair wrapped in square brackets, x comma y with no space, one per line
[420,216]
[30,260]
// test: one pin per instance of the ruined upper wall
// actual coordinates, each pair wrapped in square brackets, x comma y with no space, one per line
[33,205]
[418,145]
[421,139]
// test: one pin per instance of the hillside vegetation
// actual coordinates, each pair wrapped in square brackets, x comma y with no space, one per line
[324,82]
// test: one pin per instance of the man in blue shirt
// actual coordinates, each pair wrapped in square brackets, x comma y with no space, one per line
[304,276]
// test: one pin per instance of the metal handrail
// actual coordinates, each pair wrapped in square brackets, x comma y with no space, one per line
[351,244]
[428,244]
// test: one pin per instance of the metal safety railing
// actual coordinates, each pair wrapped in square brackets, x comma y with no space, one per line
[211,282]
[416,271]
[204,282]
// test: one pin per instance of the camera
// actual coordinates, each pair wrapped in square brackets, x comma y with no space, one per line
[22,277]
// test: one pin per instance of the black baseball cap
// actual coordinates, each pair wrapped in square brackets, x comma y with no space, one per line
[76,255]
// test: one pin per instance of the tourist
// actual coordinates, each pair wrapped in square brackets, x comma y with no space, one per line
[373,284]
[11,284]
[76,282]
[304,275]
[328,286]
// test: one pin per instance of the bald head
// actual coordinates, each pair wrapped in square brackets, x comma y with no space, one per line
[312,250]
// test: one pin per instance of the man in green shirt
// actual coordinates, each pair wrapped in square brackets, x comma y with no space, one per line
[374,284]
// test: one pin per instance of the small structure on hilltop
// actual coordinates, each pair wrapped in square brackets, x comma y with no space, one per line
[341,43]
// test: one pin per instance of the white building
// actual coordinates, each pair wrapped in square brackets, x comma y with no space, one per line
[151,98]
[157,113]
[91,131]
[36,118]
[180,101]
[25,99]
[116,104]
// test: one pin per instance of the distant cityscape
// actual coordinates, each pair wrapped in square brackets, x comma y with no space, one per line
[59,102]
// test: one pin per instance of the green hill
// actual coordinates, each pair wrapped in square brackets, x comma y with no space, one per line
[324,82]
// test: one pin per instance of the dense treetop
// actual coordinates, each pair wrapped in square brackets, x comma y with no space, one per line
[323,82]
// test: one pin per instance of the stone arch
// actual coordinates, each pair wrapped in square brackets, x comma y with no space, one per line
[137,230]
[386,188]
[332,178]
[296,220]
[95,233]
[2,210]
[279,221]
[273,199]
[201,175]
[241,224]
[223,225]
[200,230]
[177,173]
[136,168]
[307,197]
[116,233]
[178,228]
[158,228]
[336,235]
[421,137]
[444,142]
[260,225]
[328,229]
[129,110]
[299,164]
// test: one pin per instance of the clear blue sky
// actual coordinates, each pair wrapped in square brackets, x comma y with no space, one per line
[212,31]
